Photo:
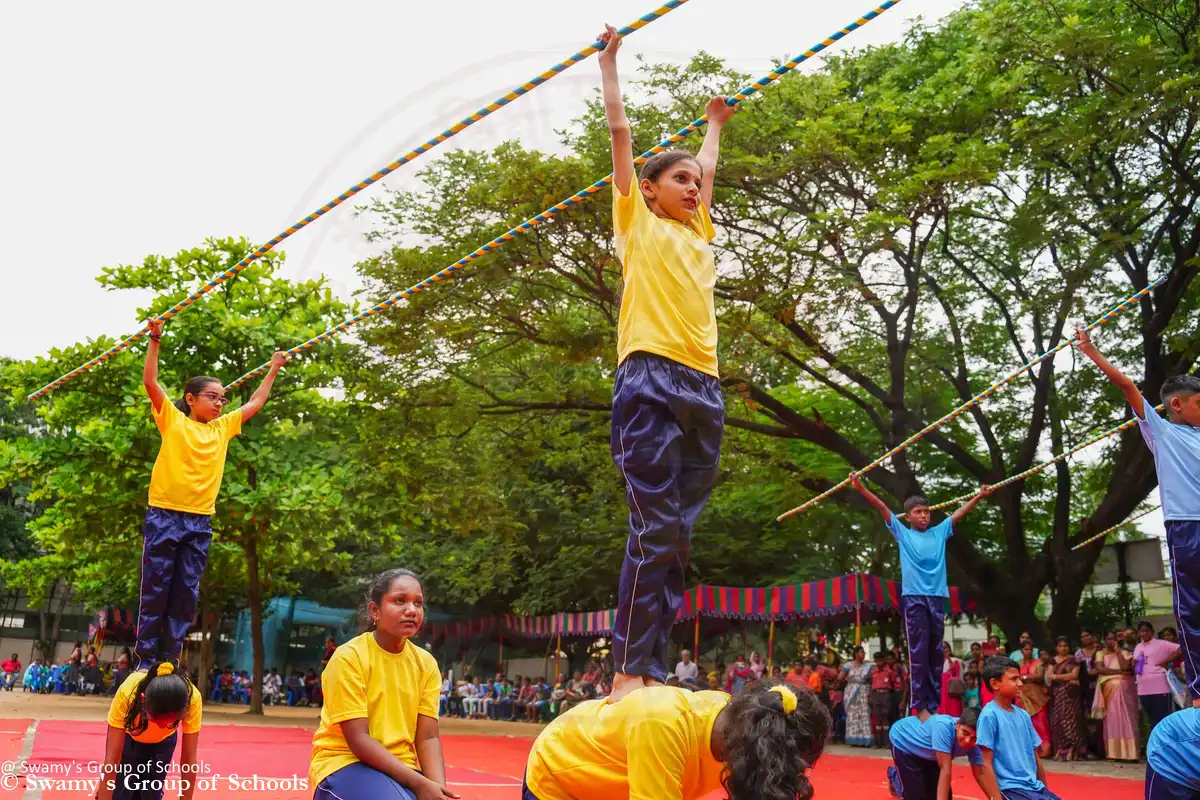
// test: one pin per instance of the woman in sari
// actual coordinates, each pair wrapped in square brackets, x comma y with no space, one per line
[1034,694]
[952,670]
[856,677]
[1068,706]
[1116,700]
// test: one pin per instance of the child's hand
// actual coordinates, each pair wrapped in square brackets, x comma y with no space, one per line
[855,482]
[718,111]
[612,43]
[156,326]
[1083,340]
[278,359]
[985,490]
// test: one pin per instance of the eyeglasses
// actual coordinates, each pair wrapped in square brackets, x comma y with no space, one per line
[213,397]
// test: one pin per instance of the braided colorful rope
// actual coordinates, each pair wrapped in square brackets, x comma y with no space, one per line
[412,155]
[573,200]
[1020,476]
[1104,319]
[1107,531]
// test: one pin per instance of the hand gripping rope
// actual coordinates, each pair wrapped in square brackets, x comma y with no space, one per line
[412,155]
[1020,476]
[974,401]
[574,199]
[1106,532]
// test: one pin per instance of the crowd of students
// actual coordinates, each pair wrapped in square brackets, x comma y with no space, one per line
[81,673]
[523,698]
[299,689]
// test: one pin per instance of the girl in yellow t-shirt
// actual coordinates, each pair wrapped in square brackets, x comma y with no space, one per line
[667,743]
[143,723]
[183,495]
[668,416]
[378,735]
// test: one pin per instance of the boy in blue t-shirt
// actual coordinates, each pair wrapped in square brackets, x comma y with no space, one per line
[1173,758]
[924,752]
[923,589]
[1011,767]
[1175,444]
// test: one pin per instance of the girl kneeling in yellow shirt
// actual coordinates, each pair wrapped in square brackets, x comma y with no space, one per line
[378,736]
[143,720]
[183,495]
[667,743]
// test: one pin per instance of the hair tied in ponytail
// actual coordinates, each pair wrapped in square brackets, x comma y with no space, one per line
[786,697]
[166,668]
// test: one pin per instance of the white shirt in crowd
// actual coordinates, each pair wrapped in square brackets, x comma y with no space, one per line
[687,672]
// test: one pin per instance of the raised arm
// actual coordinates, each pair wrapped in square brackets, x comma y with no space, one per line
[150,369]
[718,113]
[1083,341]
[870,497]
[259,398]
[966,508]
[614,111]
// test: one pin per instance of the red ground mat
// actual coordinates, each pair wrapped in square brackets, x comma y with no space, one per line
[478,767]
[12,737]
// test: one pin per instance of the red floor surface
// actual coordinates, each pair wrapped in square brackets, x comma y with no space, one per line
[12,736]
[478,767]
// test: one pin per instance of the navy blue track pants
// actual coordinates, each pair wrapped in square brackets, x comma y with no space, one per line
[174,554]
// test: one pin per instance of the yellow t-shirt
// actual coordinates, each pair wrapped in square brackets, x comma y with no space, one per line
[389,690]
[667,306]
[655,744]
[190,723]
[187,472]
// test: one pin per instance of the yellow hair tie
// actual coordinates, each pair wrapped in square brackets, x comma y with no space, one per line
[165,668]
[787,697]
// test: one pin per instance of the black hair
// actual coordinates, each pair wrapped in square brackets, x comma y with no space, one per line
[880,654]
[768,751]
[994,668]
[157,695]
[858,650]
[193,386]
[1168,628]
[914,500]
[1145,624]
[1062,640]
[1176,385]
[379,587]
[659,163]
[969,718]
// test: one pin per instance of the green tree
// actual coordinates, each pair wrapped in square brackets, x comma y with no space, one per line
[281,498]
[900,230]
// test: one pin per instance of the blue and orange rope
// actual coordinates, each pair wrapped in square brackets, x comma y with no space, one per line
[573,200]
[1104,319]
[1107,531]
[412,155]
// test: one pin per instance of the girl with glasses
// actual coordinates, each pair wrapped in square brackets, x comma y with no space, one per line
[183,493]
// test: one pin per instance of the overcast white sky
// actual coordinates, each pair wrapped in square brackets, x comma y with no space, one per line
[136,128]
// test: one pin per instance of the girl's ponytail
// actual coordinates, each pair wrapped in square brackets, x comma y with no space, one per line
[773,734]
[160,693]
[194,386]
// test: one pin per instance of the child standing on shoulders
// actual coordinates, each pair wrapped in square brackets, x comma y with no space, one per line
[1007,739]
[143,728]
[379,728]
[183,494]
[923,755]
[924,590]
[668,415]
[1175,444]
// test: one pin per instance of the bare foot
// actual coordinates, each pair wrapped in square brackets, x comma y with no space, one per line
[924,715]
[624,684]
[1196,703]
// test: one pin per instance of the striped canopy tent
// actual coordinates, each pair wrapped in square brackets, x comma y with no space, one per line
[857,595]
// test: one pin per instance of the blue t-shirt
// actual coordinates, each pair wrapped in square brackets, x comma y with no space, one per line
[923,557]
[1176,450]
[1011,738]
[1174,748]
[936,735]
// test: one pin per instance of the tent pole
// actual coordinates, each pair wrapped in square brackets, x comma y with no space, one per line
[771,646]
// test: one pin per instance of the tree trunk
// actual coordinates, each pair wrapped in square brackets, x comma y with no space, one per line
[254,595]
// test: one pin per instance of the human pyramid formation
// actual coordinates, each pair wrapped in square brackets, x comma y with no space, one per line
[378,734]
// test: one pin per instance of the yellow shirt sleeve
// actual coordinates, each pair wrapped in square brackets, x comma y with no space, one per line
[165,415]
[431,692]
[231,424]
[345,686]
[195,710]
[628,208]
[120,704]
[657,756]
[702,223]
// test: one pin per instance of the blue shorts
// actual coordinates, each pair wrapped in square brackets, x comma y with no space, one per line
[1025,794]
[1160,788]
[525,793]
[359,782]
[148,764]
